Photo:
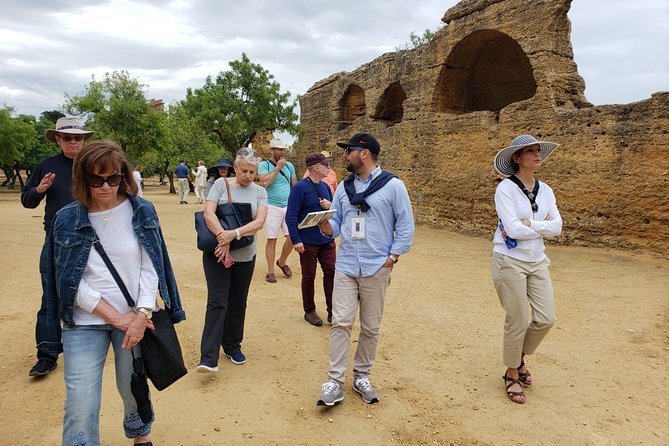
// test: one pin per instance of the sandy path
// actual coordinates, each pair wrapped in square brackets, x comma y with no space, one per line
[601,377]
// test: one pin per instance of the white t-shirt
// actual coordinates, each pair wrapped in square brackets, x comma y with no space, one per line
[138,180]
[512,206]
[114,229]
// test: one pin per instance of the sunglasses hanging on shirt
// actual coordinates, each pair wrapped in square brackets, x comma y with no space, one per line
[530,195]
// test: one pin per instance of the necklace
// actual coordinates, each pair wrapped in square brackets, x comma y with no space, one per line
[105,219]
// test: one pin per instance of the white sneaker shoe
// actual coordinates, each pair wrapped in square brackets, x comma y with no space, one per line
[202,368]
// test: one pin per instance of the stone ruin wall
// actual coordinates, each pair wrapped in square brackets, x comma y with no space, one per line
[500,68]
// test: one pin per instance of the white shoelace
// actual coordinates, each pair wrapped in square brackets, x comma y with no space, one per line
[330,387]
[363,384]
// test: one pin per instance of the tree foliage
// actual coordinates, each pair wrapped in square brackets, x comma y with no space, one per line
[416,40]
[239,103]
[16,136]
[116,108]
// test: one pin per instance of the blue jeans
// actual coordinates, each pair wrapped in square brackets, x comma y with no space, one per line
[84,352]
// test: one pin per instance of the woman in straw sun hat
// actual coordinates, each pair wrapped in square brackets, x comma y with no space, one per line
[527,213]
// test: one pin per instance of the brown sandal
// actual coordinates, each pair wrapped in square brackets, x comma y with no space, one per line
[525,378]
[512,394]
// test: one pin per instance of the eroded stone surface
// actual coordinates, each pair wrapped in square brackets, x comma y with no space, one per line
[500,68]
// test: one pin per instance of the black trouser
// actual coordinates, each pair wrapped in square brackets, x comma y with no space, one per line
[42,338]
[227,291]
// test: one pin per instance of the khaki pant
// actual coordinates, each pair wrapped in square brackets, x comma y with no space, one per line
[349,294]
[182,189]
[520,286]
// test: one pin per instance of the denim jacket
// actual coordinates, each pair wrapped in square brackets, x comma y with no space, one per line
[70,241]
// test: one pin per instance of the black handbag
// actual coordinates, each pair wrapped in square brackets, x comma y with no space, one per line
[232,216]
[161,351]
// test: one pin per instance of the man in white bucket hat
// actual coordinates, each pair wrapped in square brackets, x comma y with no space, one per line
[52,179]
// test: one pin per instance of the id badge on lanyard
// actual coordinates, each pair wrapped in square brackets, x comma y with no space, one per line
[358,228]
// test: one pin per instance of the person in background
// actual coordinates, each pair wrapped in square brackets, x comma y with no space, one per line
[200,181]
[331,178]
[374,222]
[222,168]
[277,175]
[229,273]
[311,194]
[137,175]
[527,213]
[52,179]
[83,294]
[182,172]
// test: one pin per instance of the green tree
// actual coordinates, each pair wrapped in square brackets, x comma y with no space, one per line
[416,40]
[41,148]
[16,136]
[239,103]
[116,108]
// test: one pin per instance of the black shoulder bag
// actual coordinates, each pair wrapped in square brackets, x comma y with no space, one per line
[232,216]
[161,351]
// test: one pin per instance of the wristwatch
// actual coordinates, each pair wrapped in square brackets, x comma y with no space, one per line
[238,234]
[147,312]
[394,258]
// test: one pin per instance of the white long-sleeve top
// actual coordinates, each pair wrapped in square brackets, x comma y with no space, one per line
[114,228]
[512,206]
[200,176]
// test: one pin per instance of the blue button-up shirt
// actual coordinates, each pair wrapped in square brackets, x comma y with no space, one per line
[389,226]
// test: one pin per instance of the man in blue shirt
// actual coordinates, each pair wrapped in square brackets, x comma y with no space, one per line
[182,171]
[311,194]
[277,175]
[52,179]
[374,221]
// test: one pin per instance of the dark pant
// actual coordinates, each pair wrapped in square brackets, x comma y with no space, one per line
[42,338]
[227,291]
[326,255]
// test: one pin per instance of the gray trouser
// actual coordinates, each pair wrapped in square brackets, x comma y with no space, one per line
[349,294]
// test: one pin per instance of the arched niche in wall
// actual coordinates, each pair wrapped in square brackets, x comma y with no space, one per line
[352,105]
[389,108]
[487,70]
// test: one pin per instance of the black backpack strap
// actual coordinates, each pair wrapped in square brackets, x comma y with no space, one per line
[315,187]
[280,171]
[114,273]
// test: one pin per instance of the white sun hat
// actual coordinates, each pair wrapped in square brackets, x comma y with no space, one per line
[503,162]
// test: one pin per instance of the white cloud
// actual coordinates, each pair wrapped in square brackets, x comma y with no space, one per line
[51,48]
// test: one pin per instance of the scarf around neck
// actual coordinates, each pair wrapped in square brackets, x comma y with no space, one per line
[358,199]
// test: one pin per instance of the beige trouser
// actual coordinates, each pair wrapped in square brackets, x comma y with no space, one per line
[183,189]
[349,294]
[521,285]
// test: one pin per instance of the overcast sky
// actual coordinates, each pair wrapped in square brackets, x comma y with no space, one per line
[49,48]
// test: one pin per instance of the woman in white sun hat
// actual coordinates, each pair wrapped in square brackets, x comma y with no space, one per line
[527,213]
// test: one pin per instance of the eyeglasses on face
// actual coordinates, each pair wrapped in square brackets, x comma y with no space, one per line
[68,138]
[98,181]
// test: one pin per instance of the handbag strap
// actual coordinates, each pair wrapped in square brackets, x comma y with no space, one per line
[227,188]
[112,270]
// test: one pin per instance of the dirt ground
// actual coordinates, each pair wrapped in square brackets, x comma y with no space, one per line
[601,376]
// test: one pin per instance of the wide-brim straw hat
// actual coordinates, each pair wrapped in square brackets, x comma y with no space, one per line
[68,124]
[503,160]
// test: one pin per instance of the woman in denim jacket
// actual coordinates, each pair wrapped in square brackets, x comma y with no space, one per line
[84,295]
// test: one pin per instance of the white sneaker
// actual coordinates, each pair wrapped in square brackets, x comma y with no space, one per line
[332,394]
[202,368]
